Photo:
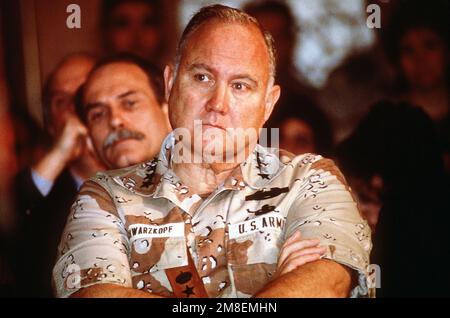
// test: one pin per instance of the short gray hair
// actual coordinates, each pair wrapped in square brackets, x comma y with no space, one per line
[230,15]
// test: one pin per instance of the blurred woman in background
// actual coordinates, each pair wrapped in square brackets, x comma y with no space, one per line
[393,164]
[417,42]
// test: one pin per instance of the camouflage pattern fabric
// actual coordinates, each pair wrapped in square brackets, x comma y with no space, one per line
[128,226]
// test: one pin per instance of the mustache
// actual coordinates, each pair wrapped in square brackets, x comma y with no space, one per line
[121,134]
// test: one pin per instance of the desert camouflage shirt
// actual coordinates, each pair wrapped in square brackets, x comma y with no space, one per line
[129,226]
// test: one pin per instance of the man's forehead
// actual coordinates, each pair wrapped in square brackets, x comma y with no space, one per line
[239,46]
[110,78]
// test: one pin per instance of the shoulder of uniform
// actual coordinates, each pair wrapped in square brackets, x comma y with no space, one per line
[138,177]
[318,164]
[285,156]
[109,174]
[305,159]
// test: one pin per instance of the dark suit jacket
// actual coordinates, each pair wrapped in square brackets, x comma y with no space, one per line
[41,222]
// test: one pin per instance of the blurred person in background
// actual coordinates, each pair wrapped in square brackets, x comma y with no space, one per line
[417,42]
[134,26]
[45,191]
[277,18]
[392,162]
[363,78]
[304,131]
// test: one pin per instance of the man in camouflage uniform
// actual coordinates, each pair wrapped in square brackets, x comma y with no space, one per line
[189,228]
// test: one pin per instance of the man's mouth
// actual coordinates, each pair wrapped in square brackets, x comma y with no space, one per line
[213,126]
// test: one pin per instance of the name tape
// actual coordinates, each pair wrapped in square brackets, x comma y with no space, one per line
[141,231]
[258,224]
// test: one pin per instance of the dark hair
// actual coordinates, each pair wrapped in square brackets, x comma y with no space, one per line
[396,141]
[412,14]
[108,7]
[154,75]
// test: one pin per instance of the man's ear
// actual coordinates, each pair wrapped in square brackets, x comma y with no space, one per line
[168,81]
[165,110]
[271,99]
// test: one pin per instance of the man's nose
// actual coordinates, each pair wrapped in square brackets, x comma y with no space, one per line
[116,120]
[219,100]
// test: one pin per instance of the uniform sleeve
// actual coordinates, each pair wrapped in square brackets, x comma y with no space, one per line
[94,245]
[324,208]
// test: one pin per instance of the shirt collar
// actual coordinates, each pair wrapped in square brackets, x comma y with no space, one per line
[78,180]
[256,172]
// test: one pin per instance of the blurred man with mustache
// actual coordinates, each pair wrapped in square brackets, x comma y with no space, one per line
[122,104]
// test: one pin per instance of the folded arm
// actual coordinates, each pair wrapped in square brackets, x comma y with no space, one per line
[301,272]
[321,278]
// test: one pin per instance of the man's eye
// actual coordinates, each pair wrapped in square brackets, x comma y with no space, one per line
[96,115]
[239,86]
[201,77]
[129,103]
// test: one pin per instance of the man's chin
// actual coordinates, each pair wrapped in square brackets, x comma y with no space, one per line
[123,162]
[124,159]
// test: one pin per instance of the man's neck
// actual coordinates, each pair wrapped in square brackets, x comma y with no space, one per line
[203,178]
[85,167]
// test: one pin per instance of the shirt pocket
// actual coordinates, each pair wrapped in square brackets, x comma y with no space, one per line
[257,240]
[158,249]
[252,253]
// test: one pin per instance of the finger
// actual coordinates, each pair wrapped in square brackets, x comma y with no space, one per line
[296,246]
[79,145]
[74,121]
[296,238]
[306,251]
[293,237]
[297,262]
[82,130]
[90,145]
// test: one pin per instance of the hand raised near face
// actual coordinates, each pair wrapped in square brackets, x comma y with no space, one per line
[71,140]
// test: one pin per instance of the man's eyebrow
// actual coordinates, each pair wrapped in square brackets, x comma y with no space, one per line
[126,94]
[200,66]
[90,106]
